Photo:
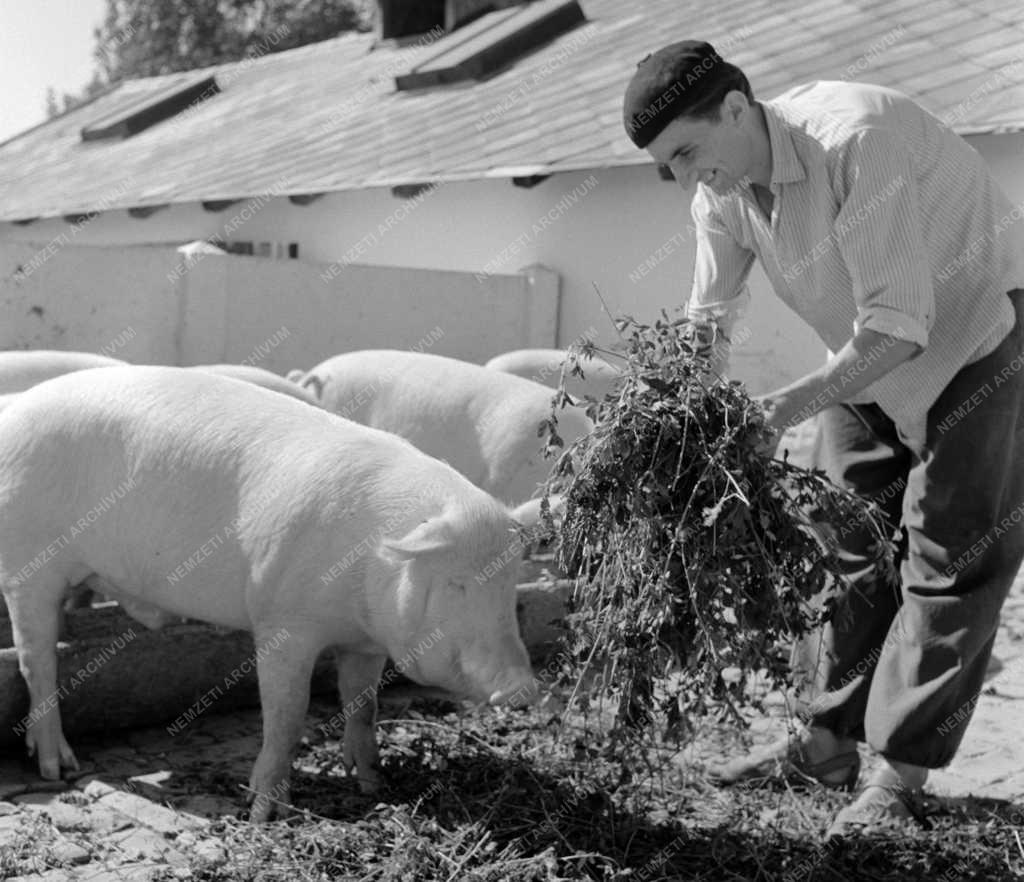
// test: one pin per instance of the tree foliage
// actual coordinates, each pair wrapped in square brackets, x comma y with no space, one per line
[144,38]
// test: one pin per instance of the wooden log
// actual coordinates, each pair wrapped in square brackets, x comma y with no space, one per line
[115,673]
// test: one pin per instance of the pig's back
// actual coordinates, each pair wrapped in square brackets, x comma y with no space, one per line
[465,414]
[260,377]
[22,369]
[536,364]
[546,365]
[174,419]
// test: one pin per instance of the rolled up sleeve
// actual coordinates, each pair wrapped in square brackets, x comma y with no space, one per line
[878,233]
[719,294]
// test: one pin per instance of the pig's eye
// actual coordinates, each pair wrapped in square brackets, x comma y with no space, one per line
[458,586]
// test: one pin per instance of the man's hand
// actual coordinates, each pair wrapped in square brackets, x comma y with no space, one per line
[772,421]
[711,346]
[776,412]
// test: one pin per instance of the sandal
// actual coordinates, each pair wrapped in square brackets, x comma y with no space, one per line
[785,760]
[879,806]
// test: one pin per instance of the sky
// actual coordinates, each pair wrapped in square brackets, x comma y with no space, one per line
[43,43]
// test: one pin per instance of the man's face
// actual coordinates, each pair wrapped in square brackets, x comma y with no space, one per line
[716,153]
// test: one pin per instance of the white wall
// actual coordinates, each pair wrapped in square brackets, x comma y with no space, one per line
[619,220]
[148,305]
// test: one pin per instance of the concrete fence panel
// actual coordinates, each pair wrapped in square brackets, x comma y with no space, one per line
[111,300]
[154,305]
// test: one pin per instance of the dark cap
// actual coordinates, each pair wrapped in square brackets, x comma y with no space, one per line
[671,82]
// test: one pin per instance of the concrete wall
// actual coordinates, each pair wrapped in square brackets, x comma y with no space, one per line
[152,305]
[623,230]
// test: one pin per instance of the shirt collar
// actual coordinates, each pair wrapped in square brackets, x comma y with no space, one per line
[786,165]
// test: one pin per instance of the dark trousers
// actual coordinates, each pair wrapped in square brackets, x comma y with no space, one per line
[901,668]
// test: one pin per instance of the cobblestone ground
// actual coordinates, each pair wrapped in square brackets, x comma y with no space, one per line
[142,800]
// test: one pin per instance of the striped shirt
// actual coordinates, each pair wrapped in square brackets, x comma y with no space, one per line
[883,218]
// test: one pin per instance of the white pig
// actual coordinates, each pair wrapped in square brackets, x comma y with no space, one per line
[545,366]
[261,377]
[250,510]
[37,369]
[21,369]
[482,422]
[27,368]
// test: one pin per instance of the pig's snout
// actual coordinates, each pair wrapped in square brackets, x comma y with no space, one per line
[519,690]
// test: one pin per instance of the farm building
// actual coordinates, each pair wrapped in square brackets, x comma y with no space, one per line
[467,180]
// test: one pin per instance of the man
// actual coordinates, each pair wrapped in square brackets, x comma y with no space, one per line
[885,232]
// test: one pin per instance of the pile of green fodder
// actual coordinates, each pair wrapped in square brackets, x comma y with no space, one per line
[695,553]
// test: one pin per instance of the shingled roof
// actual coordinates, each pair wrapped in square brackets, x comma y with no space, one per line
[328,117]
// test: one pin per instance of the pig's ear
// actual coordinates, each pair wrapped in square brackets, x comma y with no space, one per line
[428,539]
[314,384]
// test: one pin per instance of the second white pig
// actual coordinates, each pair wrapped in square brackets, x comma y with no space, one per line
[485,423]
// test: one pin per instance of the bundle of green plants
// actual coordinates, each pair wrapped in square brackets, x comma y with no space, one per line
[698,558]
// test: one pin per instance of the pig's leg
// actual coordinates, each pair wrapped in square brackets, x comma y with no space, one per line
[284,673]
[35,618]
[358,677]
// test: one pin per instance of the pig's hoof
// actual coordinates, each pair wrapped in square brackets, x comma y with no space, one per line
[262,810]
[268,798]
[49,770]
[68,760]
[369,783]
[263,807]
[50,766]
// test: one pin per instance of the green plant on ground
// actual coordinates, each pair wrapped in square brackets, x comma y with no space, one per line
[695,553]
